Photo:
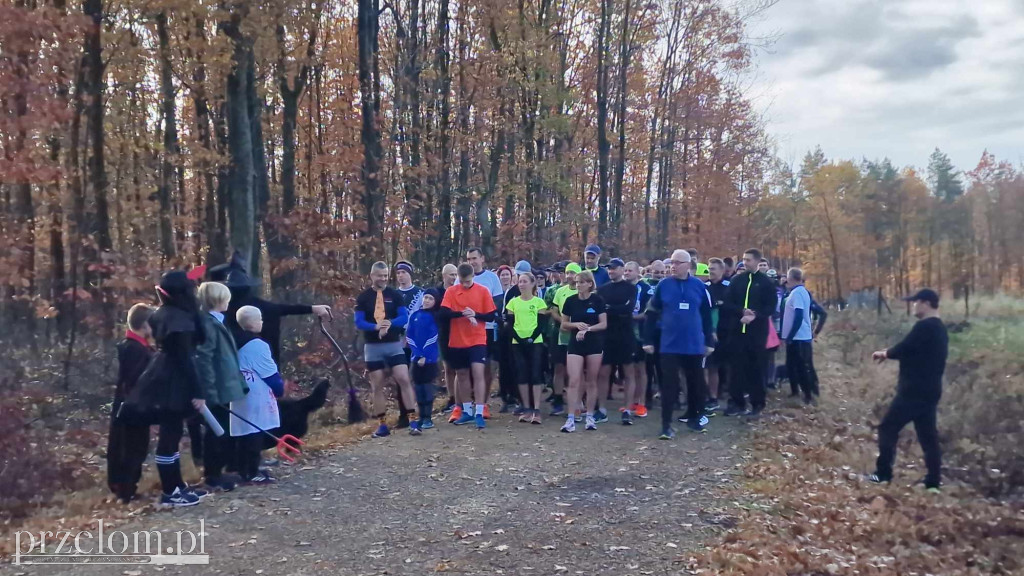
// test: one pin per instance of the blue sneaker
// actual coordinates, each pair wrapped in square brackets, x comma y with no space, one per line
[381,431]
[480,423]
[600,417]
[414,428]
[667,434]
[466,419]
[627,420]
[700,425]
[558,409]
[427,424]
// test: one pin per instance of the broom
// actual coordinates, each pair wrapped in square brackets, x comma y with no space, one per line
[355,409]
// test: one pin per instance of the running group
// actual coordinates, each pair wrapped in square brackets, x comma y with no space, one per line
[673,325]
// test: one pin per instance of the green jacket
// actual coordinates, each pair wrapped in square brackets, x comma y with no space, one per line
[217,364]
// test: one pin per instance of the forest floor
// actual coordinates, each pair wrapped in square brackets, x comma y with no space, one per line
[512,499]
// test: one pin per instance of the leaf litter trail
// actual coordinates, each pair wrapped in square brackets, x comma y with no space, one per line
[513,499]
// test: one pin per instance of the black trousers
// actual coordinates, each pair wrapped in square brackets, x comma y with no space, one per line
[692,368]
[746,375]
[195,427]
[127,447]
[924,415]
[250,449]
[506,367]
[217,450]
[800,368]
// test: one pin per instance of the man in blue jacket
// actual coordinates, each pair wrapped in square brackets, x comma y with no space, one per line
[682,304]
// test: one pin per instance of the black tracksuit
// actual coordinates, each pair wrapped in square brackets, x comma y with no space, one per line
[747,352]
[128,443]
[922,357]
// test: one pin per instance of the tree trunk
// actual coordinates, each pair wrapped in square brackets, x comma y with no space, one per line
[241,205]
[369,91]
[603,144]
[444,81]
[168,170]
[625,54]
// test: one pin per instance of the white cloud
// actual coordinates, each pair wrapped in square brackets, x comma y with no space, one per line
[894,78]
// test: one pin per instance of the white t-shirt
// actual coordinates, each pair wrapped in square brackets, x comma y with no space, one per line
[259,405]
[488,279]
[799,299]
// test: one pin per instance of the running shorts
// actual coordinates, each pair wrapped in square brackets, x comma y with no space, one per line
[381,355]
[638,352]
[461,358]
[493,347]
[559,354]
[592,344]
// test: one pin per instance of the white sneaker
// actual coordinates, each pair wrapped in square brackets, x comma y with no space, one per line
[570,425]
[591,423]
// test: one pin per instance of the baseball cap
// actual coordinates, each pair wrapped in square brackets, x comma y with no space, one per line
[594,249]
[926,294]
[573,267]
[522,267]
[772,273]
[702,269]
[616,263]
[558,267]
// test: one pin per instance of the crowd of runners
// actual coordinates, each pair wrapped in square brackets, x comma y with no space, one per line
[676,331]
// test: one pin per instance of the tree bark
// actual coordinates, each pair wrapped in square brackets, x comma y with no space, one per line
[241,201]
[603,144]
[168,172]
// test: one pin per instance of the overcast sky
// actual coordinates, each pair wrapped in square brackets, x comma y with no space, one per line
[895,78]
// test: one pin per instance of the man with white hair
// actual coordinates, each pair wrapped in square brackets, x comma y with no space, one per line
[680,310]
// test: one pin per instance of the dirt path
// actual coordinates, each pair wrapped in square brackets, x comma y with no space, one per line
[513,499]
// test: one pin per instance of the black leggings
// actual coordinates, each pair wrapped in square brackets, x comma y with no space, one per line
[902,412]
[250,450]
[529,367]
[167,456]
[692,367]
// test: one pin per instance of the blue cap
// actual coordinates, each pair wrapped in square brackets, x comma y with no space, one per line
[616,263]
[522,267]
[594,249]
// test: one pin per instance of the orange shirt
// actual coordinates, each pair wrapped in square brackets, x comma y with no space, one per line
[477,298]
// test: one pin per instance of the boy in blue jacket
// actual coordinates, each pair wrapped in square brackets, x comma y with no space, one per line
[422,336]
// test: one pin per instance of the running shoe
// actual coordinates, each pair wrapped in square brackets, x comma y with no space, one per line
[934,490]
[179,499]
[198,492]
[876,479]
[558,409]
[426,424]
[520,410]
[456,414]
[505,408]
[570,425]
[261,477]
[754,413]
[736,411]
[414,428]
[536,417]
[627,420]
[451,406]
[700,425]
[600,417]
[712,405]
[591,423]
[480,422]
[526,417]
[578,416]
[487,412]
[667,434]
[381,431]
[640,411]
[464,419]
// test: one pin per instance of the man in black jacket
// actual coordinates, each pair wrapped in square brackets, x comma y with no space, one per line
[234,275]
[750,303]
[922,357]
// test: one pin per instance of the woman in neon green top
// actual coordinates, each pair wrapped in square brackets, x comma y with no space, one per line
[528,345]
